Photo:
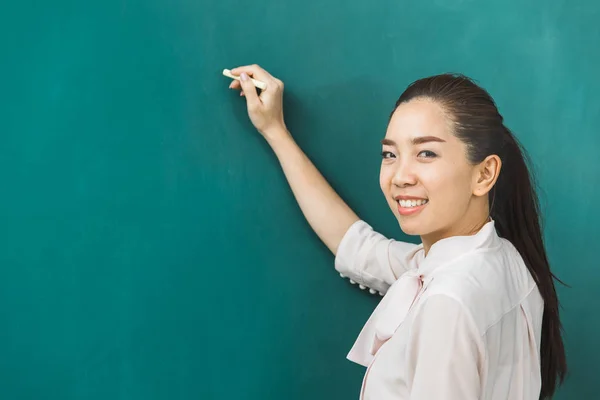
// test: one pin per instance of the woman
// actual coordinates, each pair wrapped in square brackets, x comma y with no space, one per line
[471,312]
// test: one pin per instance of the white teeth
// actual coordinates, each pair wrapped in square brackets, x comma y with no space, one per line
[411,203]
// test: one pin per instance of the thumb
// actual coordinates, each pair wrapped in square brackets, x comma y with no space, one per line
[249,90]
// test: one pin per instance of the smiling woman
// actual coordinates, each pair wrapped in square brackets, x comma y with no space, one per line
[423,159]
[471,312]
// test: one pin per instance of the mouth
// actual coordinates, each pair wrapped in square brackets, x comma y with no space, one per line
[412,206]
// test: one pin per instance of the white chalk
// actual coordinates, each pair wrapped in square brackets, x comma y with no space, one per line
[257,83]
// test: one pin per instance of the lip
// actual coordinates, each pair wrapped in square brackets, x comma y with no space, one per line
[408,198]
[410,210]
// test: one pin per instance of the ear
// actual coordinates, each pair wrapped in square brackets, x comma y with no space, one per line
[486,175]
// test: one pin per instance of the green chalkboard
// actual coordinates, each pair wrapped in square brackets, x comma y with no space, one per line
[150,245]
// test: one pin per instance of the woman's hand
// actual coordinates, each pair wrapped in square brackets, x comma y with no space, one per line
[265,110]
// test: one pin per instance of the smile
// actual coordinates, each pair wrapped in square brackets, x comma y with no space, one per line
[410,207]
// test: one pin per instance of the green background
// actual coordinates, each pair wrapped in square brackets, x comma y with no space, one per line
[151,248]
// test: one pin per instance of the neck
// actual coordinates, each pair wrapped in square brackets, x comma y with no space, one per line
[467,228]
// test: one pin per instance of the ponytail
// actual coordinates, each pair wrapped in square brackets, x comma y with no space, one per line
[516,214]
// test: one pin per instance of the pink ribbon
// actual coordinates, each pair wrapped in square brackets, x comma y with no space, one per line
[386,318]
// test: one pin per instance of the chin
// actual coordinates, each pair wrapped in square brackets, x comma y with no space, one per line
[412,228]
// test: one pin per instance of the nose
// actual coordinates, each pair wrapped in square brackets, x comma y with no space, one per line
[404,175]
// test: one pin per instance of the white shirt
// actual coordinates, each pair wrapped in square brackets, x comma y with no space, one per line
[463,323]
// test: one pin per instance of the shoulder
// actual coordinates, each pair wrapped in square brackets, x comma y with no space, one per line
[442,306]
[443,318]
[487,284]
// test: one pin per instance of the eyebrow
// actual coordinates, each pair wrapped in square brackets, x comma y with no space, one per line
[415,141]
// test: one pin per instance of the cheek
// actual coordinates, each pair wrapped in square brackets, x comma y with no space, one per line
[384,180]
[447,183]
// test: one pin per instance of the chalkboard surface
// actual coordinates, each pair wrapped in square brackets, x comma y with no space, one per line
[150,245]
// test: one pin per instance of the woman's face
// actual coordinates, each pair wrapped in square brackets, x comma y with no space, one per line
[425,175]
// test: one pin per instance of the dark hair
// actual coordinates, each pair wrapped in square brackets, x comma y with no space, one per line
[514,203]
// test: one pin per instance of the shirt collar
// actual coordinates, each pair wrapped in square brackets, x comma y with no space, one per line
[449,249]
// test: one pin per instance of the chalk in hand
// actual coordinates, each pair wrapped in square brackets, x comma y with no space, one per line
[259,84]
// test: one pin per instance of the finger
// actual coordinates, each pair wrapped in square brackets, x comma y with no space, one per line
[254,71]
[249,91]
[242,94]
[235,84]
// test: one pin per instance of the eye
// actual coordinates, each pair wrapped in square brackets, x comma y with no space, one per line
[387,154]
[427,154]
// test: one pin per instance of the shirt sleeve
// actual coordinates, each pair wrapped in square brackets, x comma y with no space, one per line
[445,352]
[370,259]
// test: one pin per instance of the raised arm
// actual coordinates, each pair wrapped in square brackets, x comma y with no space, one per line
[326,212]
[363,255]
